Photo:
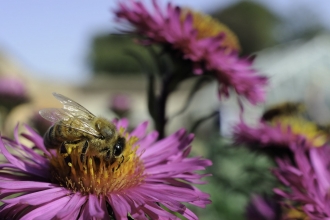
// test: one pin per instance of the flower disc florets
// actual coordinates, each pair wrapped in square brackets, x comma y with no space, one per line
[208,27]
[97,176]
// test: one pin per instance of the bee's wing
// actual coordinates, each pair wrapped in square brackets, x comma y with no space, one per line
[73,107]
[79,123]
[54,114]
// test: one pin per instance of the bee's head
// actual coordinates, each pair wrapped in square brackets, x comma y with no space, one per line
[116,150]
[119,147]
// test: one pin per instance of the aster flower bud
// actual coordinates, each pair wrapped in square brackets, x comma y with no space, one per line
[12,92]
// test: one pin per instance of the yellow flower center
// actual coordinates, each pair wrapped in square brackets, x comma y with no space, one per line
[300,126]
[297,214]
[97,176]
[207,26]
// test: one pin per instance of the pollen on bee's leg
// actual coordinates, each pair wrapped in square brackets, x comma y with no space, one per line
[73,171]
[69,150]
[96,175]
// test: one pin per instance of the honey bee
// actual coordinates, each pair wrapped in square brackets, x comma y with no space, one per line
[283,110]
[74,125]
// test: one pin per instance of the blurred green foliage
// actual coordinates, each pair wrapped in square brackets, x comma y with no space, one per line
[109,54]
[236,174]
[252,23]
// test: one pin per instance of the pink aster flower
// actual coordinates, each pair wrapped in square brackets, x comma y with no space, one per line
[155,175]
[275,137]
[271,140]
[263,208]
[12,91]
[209,45]
[307,179]
[120,104]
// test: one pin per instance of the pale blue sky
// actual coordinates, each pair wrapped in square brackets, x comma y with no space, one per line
[51,38]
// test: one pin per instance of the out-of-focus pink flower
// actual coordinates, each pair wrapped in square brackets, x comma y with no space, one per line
[307,179]
[154,176]
[120,104]
[12,91]
[275,138]
[209,45]
[263,208]
[271,140]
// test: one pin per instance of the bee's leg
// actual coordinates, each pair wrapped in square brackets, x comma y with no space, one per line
[83,152]
[64,152]
[63,148]
[122,160]
[108,155]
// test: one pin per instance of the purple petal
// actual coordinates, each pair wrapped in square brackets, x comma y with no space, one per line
[39,197]
[156,212]
[140,130]
[95,207]
[36,139]
[84,214]
[47,211]
[26,185]
[39,171]
[119,205]
[32,154]
[189,214]
[73,207]
[122,123]
[320,169]
[145,142]
[11,211]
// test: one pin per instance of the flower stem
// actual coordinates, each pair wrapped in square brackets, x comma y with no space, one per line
[161,120]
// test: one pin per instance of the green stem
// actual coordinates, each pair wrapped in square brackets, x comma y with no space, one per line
[160,119]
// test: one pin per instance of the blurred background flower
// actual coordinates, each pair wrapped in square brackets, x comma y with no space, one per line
[12,92]
[278,128]
[120,104]
[263,208]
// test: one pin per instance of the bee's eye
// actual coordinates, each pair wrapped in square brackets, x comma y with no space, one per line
[119,147]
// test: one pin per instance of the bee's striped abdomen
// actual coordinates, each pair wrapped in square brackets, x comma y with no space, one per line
[50,140]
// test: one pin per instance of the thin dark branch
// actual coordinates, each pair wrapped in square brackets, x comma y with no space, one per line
[203,119]
[198,84]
